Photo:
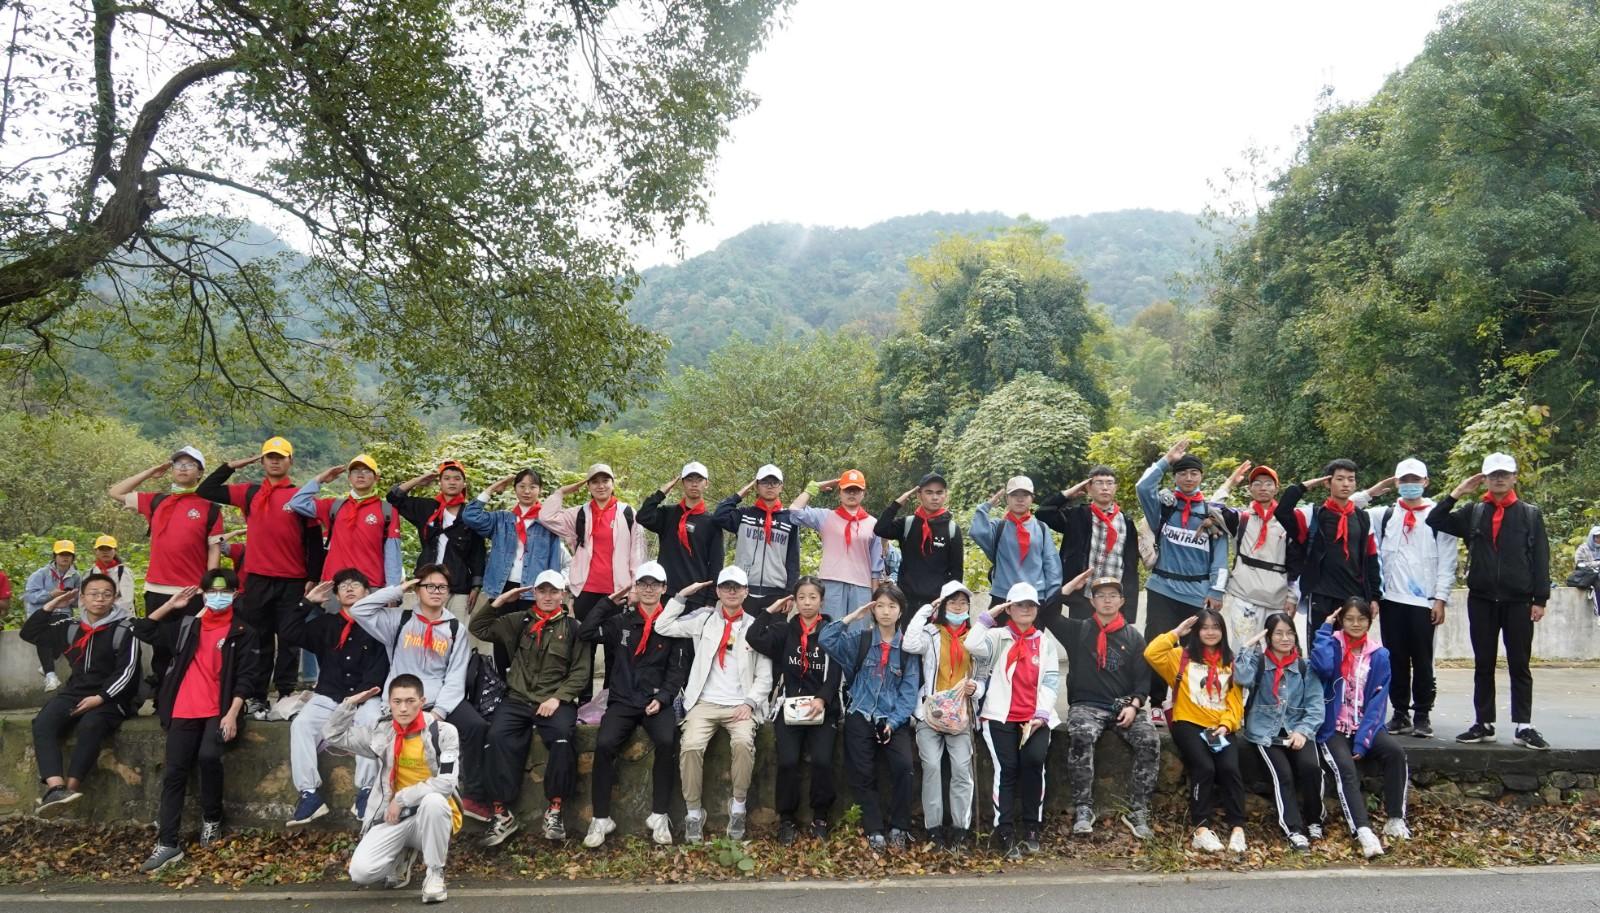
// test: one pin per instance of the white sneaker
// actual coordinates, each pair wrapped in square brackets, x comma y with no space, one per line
[660,828]
[1205,841]
[1299,842]
[1396,828]
[1370,844]
[51,683]
[1314,831]
[598,829]
[433,887]
[1236,841]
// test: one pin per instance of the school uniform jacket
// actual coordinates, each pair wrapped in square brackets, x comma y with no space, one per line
[441,748]
[241,673]
[634,680]
[108,665]
[704,630]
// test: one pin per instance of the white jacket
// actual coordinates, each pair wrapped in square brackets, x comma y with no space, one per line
[922,638]
[704,630]
[989,647]
[441,747]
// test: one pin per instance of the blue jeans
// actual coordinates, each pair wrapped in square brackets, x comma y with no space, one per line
[840,599]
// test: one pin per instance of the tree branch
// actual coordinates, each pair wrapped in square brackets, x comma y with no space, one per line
[105,107]
[286,206]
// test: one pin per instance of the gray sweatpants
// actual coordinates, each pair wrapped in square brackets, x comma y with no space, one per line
[305,738]
[384,844]
[932,746]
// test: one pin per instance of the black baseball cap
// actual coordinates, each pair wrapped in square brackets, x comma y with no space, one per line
[932,477]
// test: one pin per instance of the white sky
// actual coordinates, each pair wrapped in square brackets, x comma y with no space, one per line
[878,108]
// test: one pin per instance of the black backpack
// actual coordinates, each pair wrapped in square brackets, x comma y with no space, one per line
[485,689]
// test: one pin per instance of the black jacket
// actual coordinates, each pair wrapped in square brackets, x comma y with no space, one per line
[1126,674]
[464,550]
[242,672]
[704,559]
[1325,570]
[1074,521]
[923,575]
[779,640]
[1519,569]
[361,664]
[658,674]
[107,666]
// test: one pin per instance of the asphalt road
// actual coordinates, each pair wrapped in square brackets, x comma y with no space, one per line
[1553,889]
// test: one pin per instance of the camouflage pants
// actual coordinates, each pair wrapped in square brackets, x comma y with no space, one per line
[1084,727]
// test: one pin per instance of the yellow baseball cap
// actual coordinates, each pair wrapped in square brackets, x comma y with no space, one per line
[279,446]
[63,545]
[106,542]
[362,459]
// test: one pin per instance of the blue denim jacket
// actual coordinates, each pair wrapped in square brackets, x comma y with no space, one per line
[544,549]
[888,691]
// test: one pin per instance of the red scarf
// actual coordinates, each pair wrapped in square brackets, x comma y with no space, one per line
[105,569]
[603,515]
[523,522]
[1264,511]
[1021,523]
[1279,666]
[649,625]
[728,622]
[349,623]
[1111,529]
[851,520]
[958,636]
[445,504]
[81,645]
[1100,642]
[684,513]
[1499,514]
[418,722]
[263,498]
[766,524]
[1342,532]
[805,642]
[1410,522]
[60,578]
[1023,643]
[540,619]
[1189,501]
[1353,647]
[1213,682]
[883,655]
[427,635]
[927,525]
[349,521]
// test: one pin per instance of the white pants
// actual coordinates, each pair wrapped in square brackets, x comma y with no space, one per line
[932,746]
[383,844]
[1245,621]
[305,737]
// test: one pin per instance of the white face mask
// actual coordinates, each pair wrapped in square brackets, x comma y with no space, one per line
[219,602]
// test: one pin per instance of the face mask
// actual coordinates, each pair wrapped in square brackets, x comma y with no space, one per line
[219,602]
[1410,490]
[955,619]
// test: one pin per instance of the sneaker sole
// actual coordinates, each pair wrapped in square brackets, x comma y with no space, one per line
[54,809]
[1521,744]
[304,821]
[1129,825]
[1487,738]
[177,858]
[497,839]
[436,898]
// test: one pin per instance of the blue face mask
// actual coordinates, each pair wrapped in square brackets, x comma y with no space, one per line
[955,619]
[219,602]
[1411,490]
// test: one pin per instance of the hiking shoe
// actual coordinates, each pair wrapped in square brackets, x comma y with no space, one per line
[1236,841]
[787,834]
[553,827]
[1529,737]
[876,843]
[1030,840]
[476,809]
[55,801]
[660,828]
[161,857]
[1370,844]
[1400,724]
[1205,840]
[1395,828]
[1480,732]
[51,683]
[258,709]
[310,808]
[1139,823]
[819,828]
[1423,728]
[1299,843]
[694,826]
[598,829]
[736,825]
[897,840]
[400,875]
[433,887]
[358,808]
[1012,846]
[1314,831]
[210,833]
[1083,821]
[504,825]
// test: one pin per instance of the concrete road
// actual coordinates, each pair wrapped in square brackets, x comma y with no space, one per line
[1566,705]
[1551,889]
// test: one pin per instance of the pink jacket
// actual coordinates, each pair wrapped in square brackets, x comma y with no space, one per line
[627,540]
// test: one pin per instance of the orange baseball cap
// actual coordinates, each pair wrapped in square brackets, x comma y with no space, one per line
[452,464]
[1263,471]
[852,478]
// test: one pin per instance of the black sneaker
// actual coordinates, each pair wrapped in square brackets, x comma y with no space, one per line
[819,828]
[1030,840]
[1480,732]
[1423,729]
[936,838]
[1529,737]
[787,833]
[161,857]
[1013,847]
[257,708]
[959,838]
[1400,725]
[55,801]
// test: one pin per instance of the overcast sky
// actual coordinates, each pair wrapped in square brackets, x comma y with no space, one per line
[878,108]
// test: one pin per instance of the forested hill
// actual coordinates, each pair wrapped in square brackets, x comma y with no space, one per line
[785,279]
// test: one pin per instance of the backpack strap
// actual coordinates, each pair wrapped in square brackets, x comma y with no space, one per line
[250,492]
[905,532]
[405,619]
[582,525]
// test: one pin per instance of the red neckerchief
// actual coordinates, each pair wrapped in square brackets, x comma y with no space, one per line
[766,524]
[211,621]
[349,521]
[603,515]
[1213,683]
[1264,511]
[958,650]
[400,732]
[1499,514]
[170,504]
[1342,532]
[1023,537]
[728,622]
[1353,647]
[444,504]
[1103,517]
[1279,666]
[1105,630]
[805,642]
[1410,522]
[1189,501]
[61,579]
[349,623]
[851,520]
[649,625]
[523,521]
[927,525]
[105,569]
[540,619]
[427,635]
[1023,643]
[684,513]
[883,654]
[263,498]
[81,645]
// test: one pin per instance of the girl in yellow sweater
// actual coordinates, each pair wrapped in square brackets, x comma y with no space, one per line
[1207,710]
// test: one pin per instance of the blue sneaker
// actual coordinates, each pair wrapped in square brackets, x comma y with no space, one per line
[359,809]
[310,808]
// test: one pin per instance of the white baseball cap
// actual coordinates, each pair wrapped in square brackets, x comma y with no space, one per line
[694,469]
[769,471]
[1022,592]
[599,469]
[733,573]
[951,588]
[651,569]
[552,578]
[190,452]
[1410,466]
[1499,462]
[1019,483]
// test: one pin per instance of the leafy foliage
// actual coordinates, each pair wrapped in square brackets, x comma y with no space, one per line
[1212,435]
[1032,426]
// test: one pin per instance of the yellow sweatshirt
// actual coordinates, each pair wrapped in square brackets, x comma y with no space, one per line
[1190,701]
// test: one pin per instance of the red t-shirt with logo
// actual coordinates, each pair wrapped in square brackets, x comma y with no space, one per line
[357,540]
[1025,681]
[200,692]
[178,533]
[277,548]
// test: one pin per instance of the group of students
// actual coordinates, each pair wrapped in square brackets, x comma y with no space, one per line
[890,669]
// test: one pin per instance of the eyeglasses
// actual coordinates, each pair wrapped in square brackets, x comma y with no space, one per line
[434,587]
[350,585]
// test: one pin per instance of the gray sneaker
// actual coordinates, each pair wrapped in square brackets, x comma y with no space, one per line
[736,825]
[210,833]
[1083,821]
[1139,823]
[694,826]
[161,857]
